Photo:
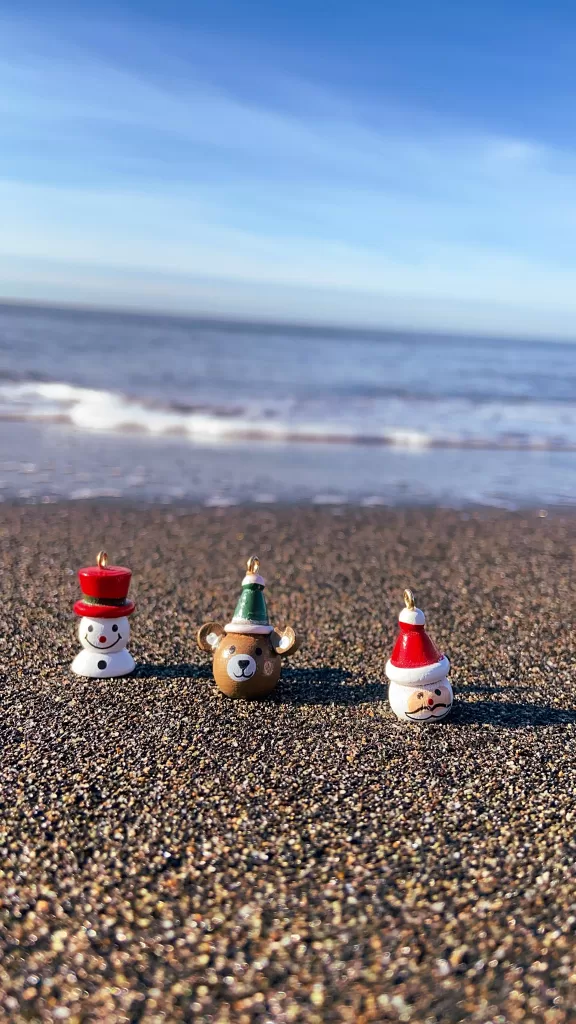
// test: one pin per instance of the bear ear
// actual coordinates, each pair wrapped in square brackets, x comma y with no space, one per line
[209,636]
[285,643]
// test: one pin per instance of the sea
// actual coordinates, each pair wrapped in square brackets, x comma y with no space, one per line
[164,409]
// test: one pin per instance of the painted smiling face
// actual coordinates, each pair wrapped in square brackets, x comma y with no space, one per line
[431,702]
[109,635]
[246,665]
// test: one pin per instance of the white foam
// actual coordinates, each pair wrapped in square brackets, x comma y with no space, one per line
[446,423]
[221,501]
[329,499]
[84,493]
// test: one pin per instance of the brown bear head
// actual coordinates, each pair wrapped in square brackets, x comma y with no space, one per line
[246,664]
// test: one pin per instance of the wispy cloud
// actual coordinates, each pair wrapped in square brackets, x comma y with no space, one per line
[105,166]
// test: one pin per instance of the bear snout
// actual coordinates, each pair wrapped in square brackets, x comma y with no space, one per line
[241,666]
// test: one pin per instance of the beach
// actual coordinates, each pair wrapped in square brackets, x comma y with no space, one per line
[169,854]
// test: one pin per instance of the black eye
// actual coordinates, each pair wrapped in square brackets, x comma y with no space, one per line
[231,650]
[438,693]
[114,629]
[419,695]
[258,650]
[90,629]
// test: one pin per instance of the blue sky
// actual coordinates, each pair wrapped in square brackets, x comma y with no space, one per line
[345,163]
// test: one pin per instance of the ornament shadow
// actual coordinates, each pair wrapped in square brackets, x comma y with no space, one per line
[308,686]
[463,691]
[172,671]
[509,715]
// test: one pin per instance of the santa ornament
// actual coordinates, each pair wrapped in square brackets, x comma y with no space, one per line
[104,629]
[419,689]
[247,651]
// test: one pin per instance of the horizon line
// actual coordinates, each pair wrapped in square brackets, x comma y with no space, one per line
[263,323]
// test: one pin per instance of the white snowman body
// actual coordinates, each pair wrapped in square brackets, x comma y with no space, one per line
[418,692]
[103,654]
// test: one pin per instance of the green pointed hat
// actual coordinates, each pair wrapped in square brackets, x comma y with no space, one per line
[251,614]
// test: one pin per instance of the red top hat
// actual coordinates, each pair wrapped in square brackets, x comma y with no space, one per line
[104,590]
[415,659]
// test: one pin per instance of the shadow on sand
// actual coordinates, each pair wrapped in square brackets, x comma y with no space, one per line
[491,688]
[327,686]
[337,686]
[181,671]
[313,686]
[508,715]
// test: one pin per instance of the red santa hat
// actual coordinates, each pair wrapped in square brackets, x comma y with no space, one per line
[415,661]
[104,590]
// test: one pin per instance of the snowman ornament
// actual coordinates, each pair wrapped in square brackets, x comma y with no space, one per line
[104,629]
[419,688]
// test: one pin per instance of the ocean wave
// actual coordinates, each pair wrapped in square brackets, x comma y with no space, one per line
[396,421]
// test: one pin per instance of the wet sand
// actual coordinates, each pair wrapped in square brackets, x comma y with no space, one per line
[169,854]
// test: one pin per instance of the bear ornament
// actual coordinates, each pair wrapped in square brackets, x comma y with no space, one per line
[248,651]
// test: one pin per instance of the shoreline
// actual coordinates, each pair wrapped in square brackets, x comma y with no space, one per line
[53,463]
[337,507]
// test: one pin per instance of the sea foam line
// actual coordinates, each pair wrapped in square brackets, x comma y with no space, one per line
[94,410]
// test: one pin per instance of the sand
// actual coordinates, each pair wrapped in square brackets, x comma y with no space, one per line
[169,854]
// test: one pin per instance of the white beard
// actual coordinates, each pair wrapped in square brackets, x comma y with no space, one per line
[86,663]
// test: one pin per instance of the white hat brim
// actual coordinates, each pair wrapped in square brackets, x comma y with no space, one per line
[247,627]
[418,676]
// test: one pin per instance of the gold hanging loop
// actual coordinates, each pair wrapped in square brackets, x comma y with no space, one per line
[253,564]
[409,599]
[102,560]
